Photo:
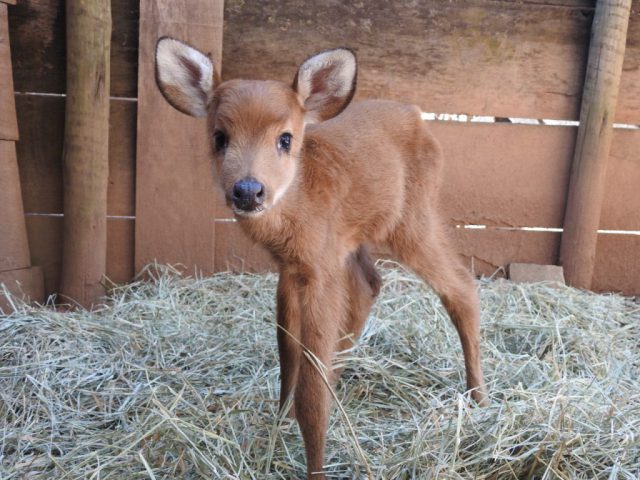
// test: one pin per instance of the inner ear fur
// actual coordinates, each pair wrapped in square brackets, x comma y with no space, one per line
[185,76]
[326,83]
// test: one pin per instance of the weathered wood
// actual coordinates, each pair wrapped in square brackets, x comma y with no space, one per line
[14,248]
[38,47]
[586,188]
[41,120]
[45,240]
[174,187]
[8,125]
[26,284]
[621,203]
[503,174]
[541,44]
[86,151]
[499,58]
[617,266]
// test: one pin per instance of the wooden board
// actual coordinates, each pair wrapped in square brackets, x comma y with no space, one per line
[617,264]
[8,124]
[41,120]
[621,205]
[45,239]
[14,249]
[503,174]
[526,58]
[38,46]
[174,200]
[502,58]
[25,283]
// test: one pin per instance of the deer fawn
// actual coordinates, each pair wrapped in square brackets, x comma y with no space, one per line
[314,182]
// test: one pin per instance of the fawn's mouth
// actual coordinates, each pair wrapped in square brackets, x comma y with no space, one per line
[248,213]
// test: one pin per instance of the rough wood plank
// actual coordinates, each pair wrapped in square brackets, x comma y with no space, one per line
[498,58]
[504,175]
[26,284]
[14,248]
[174,189]
[482,57]
[38,46]
[8,124]
[45,239]
[617,264]
[41,120]
[621,204]
[120,249]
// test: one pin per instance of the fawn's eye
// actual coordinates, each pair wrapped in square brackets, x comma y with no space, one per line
[220,140]
[284,142]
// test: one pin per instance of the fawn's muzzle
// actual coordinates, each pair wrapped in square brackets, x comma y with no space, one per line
[248,194]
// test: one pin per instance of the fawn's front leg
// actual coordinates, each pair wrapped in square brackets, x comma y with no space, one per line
[288,316]
[323,309]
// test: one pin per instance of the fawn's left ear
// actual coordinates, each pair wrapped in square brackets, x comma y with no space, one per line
[326,83]
[186,77]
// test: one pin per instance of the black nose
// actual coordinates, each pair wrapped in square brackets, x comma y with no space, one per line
[248,194]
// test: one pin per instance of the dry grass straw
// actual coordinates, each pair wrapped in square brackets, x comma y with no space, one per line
[178,378]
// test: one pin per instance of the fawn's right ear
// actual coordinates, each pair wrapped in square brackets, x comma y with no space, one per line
[186,77]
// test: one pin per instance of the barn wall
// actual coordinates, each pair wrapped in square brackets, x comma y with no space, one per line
[497,58]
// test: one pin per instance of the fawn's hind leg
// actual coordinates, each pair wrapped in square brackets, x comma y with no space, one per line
[424,248]
[363,284]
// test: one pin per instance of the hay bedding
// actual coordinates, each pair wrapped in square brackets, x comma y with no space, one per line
[178,378]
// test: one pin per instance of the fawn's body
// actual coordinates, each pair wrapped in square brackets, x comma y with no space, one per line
[315,195]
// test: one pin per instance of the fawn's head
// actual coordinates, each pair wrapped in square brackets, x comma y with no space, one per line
[256,127]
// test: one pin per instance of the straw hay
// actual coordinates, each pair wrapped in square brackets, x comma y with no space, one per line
[178,378]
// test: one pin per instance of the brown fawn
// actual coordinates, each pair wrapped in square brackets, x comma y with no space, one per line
[315,182]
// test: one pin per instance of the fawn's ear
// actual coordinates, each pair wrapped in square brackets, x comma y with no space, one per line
[185,76]
[326,83]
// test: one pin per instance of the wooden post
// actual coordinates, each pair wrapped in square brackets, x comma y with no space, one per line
[586,187]
[86,149]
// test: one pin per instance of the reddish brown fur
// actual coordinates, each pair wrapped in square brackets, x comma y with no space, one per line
[369,175]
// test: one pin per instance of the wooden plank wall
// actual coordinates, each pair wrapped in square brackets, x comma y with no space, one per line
[502,58]
[38,54]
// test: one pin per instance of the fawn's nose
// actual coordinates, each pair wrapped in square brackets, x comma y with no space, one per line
[248,194]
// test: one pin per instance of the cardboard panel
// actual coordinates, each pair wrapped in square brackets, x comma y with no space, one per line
[174,194]
[8,124]
[38,46]
[41,120]
[45,238]
[14,249]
